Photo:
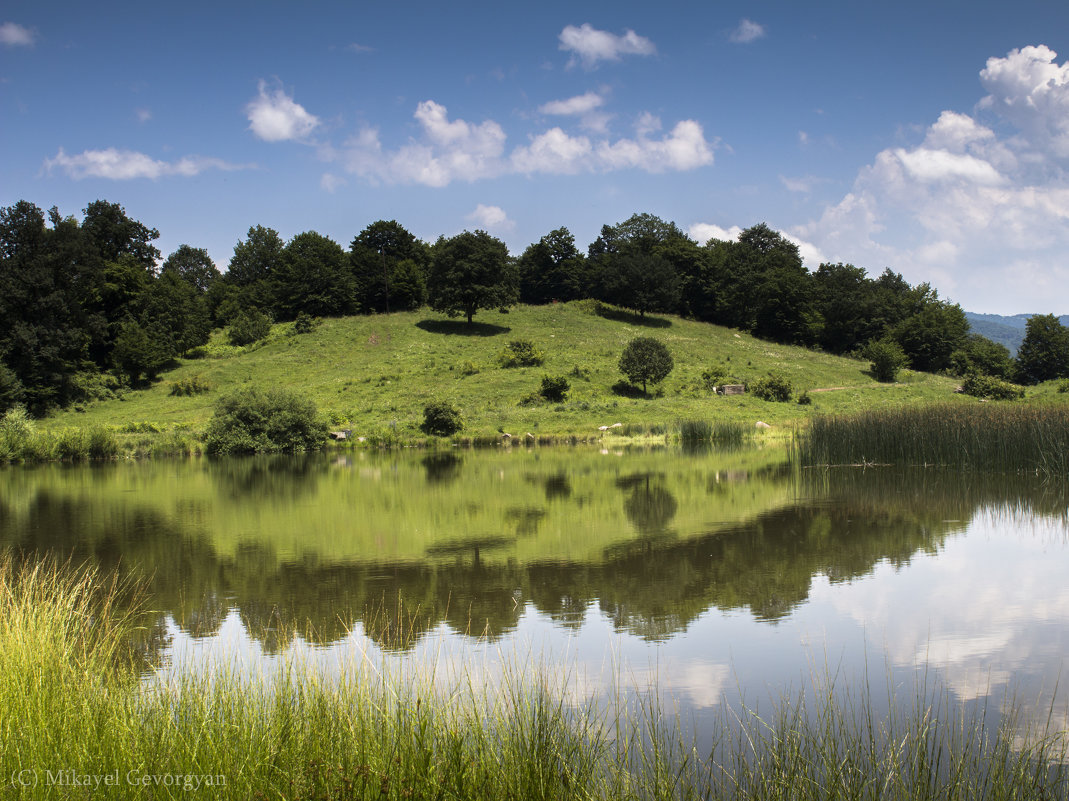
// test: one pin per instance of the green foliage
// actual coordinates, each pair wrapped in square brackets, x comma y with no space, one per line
[192,265]
[521,353]
[887,358]
[137,352]
[1063,386]
[933,334]
[389,265]
[1044,353]
[191,385]
[264,421]
[772,387]
[11,391]
[646,360]
[249,326]
[305,323]
[981,355]
[554,388]
[313,276]
[804,399]
[552,269]
[714,377]
[468,367]
[469,272]
[985,386]
[441,419]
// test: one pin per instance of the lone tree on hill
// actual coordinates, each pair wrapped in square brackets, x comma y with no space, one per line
[469,272]
[647,360]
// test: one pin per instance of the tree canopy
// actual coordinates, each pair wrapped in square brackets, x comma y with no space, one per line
[469,272]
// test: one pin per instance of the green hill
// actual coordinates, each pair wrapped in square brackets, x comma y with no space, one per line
[375,374]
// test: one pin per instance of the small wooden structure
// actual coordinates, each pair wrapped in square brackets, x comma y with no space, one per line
[732,389]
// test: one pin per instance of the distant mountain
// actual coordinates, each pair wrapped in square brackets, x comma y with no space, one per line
[1008,331]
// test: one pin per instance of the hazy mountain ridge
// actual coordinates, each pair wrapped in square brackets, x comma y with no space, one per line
[1007,330]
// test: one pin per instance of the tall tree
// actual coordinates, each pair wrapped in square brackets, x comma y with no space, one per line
[469,272]
[253,266]
[623,251]
[552,269]
[1044,353]
[112,234]
[376,255]
[313,276]
[194,266]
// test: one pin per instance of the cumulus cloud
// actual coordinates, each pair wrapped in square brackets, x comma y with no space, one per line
[125,165]
[454,149]
[14,35]
[747,31]
[490,217]
[331,183]
[589,46]
[979,210]
[811,255]
[275,117]
[580,104]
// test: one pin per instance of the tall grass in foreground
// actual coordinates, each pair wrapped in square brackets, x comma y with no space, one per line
[720,432]
[996,437]
[71,706]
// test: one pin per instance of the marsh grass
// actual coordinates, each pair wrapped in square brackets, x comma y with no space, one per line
[720,432]
[1031,438]
[72,701]
[22,441]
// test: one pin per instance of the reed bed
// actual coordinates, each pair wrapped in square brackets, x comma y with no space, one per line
[988,437]
[720,432]
[78,721]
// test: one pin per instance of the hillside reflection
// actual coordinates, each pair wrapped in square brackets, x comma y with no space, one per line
[402,544]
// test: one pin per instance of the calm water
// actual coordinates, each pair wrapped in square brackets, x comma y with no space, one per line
[711,576]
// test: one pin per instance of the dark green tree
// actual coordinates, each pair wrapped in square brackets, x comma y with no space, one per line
[886,357]
[111,234]
[1044,353]
[982,355]
[313,277]
[469,272]
[176,312]
[645,283]
[253,267]
[389,267]
[552,269]
[138,352]
[646,360]
[931,335]
[194,266]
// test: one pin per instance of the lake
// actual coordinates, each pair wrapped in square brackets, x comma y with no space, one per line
[716,577]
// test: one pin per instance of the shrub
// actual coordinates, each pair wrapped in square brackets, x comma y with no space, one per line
[1063,385]
[646,360]
[772,388]
[804,399]
[193,385]
[468,368]
[887,358]
[554,388]
[441,419]
[264,421]
[521,353]
[305,323]
[580,372]
[249,326]
[985,386]
[714,377]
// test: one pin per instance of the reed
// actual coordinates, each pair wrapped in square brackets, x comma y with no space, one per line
[74,704]
[720,432]
[991,437]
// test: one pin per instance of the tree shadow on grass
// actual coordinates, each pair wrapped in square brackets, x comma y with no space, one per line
[462,327]
[626,390]
[624,316]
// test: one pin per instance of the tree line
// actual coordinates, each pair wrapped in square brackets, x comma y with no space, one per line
[85,300]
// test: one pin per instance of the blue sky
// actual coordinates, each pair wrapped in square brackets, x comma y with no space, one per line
[931,140]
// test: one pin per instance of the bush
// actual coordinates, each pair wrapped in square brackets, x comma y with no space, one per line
[249,326]
[646,360]
[804,399]
[772,388]
[985,386]
[714,377]
[1063,385]
[305,323]
[468,368]
[193,385]
[554,388]
[521,353]
[441,419]
[264,421]
[887,358]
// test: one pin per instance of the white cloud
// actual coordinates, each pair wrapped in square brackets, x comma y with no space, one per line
[490,217]
[972,206]
[589,45]
[703,232]
[124,165]
[580,104]
[331,183]
[802,185]
[451,150]
[747,31]
[274,117]
[143,115]
[14,35]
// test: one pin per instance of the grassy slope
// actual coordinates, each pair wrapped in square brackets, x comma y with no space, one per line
[366,372]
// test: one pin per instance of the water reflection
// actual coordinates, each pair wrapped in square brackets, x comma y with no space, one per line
[722,562]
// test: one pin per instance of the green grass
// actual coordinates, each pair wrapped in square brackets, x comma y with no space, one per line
[73,702]
[1003,437]
[375,374]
